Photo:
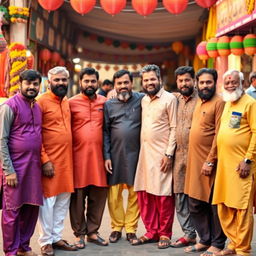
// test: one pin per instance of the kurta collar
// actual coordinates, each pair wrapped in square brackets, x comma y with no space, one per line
[31,103]
[55,97]
[193,95]
[87,98]
[158,95]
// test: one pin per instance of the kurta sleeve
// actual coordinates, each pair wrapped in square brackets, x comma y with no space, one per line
[172,115]
[44,157]
[6,120]
[212,156]
[251,117]
[106,134]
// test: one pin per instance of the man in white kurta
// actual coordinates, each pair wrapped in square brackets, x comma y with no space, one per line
[236,169]
[153,180]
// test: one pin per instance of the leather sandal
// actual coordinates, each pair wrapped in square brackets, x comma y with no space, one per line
[143,240]
[130,237]
[164,242]
[80,244]
[115,236]
[63,245]
[183,242]
[98,241]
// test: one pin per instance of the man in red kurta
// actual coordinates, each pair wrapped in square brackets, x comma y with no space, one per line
[89,172]
[57,163]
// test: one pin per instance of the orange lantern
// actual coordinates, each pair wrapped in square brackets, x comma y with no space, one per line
[175,6]
[236,45]
[177,47]
[144,7]
[107,67]
[250,44]
[45,55]
[211,48]
[55,57]
[201,51]
[116,68]
[82,6]
[51,5]
[112,6]
[223,46]
[206,3]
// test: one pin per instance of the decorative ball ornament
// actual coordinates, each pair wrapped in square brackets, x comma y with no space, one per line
[206,3]
[223,46]
[201,51]
[250,44]
[177,47]
[211,48]
[113,6]
[51,5]
[175,6]
[144,7]
[82,6]
[236,45]
[45,55]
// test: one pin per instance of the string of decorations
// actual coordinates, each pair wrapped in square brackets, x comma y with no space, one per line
[18,14]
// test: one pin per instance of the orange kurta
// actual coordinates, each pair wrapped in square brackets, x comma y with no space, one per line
[87,130]
[57,144]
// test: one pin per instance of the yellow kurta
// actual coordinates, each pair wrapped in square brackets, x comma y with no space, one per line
[234,145]
[157,139]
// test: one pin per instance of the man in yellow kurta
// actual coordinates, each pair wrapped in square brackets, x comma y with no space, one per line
[234,184]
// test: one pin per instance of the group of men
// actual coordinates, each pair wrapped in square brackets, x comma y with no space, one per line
[192,150]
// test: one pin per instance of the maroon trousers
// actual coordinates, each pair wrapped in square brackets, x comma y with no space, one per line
[157,213]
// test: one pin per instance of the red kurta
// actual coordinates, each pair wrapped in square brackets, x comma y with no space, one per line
[57,144]
[87,129]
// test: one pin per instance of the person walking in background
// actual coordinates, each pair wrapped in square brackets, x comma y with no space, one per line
[121,151]
[106,87]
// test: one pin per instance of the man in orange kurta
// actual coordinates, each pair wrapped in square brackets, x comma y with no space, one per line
[56,157]
[89,172]
[201,164]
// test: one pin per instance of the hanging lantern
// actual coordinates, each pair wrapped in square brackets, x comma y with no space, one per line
[55,57]
[250,44]
[116,68]
[51,5]
[125,45]
[141,47]
[144,7]
[30,60]
[108,41]
[177,47]
[107,67]
[134,67]
[82,6]
[98,66]
[45,55]
[236,45]
[175,6]
[201,51]
[113,6]
[206,3]
[61,62]
[223,46]
[211,48]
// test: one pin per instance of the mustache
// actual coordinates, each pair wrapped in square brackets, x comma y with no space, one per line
[31,90]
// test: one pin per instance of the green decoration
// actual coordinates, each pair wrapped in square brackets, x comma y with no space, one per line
[149,47]
[133,46]
[116,43]
[100,39]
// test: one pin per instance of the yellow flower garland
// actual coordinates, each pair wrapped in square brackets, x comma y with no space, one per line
[18,14]
[250,6]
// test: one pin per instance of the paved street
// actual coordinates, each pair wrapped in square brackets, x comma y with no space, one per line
[121,248]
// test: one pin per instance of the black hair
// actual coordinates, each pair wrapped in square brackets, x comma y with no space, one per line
[184,70]
[107,82]
[210,71]
[88,71]
[30,75]
[121,73]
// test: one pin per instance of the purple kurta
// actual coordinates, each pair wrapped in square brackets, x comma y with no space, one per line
[24,144]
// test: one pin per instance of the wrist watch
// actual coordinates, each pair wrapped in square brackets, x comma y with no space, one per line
[247,161]
[168,156]
[210,164]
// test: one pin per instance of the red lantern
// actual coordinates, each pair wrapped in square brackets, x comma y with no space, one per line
[55,57]
[61,62]
[175,6]
[113,6]
[206,3]
[45,55]
[30,61]
[51,5]
[144,7]
[82,6]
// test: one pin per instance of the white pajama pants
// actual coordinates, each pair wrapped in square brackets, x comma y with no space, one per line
[51,218]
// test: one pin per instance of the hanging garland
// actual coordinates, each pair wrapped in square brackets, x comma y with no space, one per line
[18,14]
[250,4]
[18,60]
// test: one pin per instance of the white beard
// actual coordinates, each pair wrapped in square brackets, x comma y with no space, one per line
[124,96]
[232,96]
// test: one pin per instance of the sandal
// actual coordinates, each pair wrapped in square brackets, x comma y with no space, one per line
[164,242]
[80,244]
[143,240]
[182,242]
[193,249]
[224,252]
[99,240]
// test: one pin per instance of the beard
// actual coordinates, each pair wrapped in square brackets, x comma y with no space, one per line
[232,96]
[60,90]
[29,96]
[124,96]
[89,91]
[207,93]
[187,92]
[153,92]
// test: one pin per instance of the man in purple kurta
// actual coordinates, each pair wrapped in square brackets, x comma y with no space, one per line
[20,169]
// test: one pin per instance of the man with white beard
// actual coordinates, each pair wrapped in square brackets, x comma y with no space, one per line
[234,183]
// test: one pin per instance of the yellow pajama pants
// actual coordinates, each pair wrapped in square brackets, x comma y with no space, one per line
[119,217]
[238,226]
